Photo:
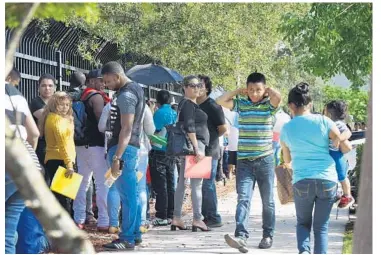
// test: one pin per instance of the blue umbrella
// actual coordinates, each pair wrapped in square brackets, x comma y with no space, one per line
[152,74]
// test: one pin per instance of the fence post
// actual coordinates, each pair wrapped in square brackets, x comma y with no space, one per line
[149,92]
[59,69]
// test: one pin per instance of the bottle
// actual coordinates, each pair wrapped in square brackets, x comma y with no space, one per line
[110,179]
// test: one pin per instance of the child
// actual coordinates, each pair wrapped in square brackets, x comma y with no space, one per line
[337,111]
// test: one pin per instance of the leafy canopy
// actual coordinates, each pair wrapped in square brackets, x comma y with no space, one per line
[333,38]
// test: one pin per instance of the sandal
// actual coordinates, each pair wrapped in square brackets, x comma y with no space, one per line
[174,227]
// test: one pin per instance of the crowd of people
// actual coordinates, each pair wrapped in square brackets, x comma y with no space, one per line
[245,132]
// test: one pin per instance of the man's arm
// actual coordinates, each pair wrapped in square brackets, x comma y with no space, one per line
[275,97]
[222,129]
[38,113]
[126,121]
[97,103]
[226,100]
[32,131]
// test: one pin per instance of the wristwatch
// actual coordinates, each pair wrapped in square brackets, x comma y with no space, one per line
[115,158]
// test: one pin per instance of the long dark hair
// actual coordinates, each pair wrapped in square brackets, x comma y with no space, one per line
[299,95]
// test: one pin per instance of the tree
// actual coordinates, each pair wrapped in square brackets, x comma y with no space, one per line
[357,100]
[18,16]
[60,229]
[223,40]
[333,38]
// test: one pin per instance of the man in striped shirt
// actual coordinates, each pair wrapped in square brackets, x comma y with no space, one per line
[255,155]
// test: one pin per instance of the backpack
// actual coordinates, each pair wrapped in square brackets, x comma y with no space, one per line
[80,118]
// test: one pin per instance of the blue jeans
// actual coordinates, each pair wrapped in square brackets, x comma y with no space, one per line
[14,205]
[142,186]
[310,193]
[277,149]
[248,173]
[209,196]
[31,236]
[126,185]
[113,205]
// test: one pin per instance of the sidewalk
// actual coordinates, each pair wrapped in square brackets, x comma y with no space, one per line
[162,240]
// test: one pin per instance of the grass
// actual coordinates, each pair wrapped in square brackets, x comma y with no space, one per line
[348,239]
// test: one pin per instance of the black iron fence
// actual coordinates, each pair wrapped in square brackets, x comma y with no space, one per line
[51,47]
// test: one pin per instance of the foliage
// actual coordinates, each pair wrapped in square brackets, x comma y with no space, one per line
[223,40]
[14,12]
[348,242]
[333,38]
[357,100]
[359,151]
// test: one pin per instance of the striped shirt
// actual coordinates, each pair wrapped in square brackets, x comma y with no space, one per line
[255,124]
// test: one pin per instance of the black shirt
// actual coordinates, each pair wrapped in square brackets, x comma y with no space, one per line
[216,118]
[194,119]
[36,104]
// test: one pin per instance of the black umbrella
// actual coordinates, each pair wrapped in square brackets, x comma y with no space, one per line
[152,74]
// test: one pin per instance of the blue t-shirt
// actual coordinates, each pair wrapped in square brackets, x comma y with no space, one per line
[164,116]
[307,137]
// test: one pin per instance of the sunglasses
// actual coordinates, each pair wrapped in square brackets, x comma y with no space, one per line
[198,85]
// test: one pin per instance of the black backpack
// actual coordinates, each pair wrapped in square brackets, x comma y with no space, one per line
[80,119]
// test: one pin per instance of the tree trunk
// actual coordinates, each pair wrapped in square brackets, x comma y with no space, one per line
[59,227]
[12,46]
[362,237]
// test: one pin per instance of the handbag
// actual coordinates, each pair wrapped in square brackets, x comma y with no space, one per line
[178,142]
[284,184]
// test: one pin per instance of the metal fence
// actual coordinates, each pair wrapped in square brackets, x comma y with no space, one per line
[51,47]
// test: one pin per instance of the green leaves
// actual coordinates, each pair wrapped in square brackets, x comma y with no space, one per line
[58,11]
[333,38]
[357,100]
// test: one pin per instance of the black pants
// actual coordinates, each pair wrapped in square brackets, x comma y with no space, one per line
[162,179]
[51,169]
[220,171]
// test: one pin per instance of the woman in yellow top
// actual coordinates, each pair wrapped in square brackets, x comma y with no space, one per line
[57,125]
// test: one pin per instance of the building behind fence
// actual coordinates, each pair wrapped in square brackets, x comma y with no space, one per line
[51,47]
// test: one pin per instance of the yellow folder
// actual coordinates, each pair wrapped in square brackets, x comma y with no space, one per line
[66,186]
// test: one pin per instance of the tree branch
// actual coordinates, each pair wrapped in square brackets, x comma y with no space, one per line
[13,43]
[59,227]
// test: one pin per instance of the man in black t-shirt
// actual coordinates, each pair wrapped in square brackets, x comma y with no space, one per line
[123,152]
[217,127]
[46,88]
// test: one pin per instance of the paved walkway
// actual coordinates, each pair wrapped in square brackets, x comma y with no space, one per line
[162,240]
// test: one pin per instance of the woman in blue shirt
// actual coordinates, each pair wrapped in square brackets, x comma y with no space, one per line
[305,142]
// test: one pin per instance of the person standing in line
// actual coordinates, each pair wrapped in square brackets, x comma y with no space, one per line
[32,238]
[195,125]
[255,156]
[57,125]
[90,153]
[123,151]
[16,106]
[77,86]
[162,167]
[46,88]
[314,175]
[216,127]
[145,148]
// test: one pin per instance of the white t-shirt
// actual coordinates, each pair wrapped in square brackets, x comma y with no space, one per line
[233,131]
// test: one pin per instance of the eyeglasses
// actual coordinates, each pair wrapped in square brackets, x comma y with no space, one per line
[192,85]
